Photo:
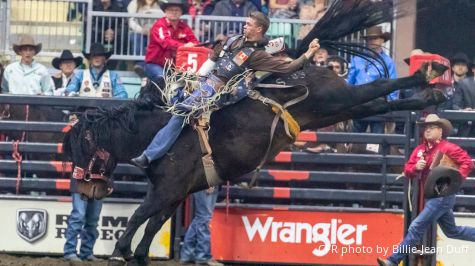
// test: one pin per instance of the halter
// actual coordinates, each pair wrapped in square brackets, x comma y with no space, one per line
[87,174]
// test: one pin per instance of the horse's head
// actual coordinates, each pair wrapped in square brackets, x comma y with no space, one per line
[92,163]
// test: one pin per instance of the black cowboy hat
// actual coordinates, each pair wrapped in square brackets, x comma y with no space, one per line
[433,119]
[377,31]
[66,55]
[97,49]
[460,58]
[166,3]
[442,181]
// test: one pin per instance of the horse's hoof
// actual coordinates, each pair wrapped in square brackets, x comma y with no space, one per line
[138,261]
[116,261]
[435,70]
[438,68]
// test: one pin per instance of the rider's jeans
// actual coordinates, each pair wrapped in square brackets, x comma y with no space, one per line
[153,71]
[436,210]
[197,245]
[83,222]
[166,136]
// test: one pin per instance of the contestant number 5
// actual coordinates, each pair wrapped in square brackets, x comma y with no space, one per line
[192,62]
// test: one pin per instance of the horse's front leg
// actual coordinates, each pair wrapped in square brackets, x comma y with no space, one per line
[153,226]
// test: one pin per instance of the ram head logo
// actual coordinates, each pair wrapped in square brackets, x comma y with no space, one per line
[31,224]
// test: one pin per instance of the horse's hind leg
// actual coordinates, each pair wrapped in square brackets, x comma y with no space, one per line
[153,226]
[122,250]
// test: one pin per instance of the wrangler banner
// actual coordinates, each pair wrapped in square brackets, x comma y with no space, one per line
[38,226]
[304,237]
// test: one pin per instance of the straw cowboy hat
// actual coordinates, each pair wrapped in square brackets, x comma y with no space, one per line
[433,119]
[97,49]
[26,40]
[164,4]
[66,55]
[377,31]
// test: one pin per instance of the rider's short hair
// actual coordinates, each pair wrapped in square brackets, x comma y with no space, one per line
[261,20]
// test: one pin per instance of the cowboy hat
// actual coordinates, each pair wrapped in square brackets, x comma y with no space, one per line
[442,181]
[460,58]
[433,119]
[377,31]
[26,40]
[97,49]
[66,55]
[164,4]
[413,52]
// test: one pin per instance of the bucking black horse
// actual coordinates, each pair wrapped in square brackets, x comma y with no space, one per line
[238,136]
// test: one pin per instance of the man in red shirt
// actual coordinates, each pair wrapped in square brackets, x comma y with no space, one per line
[436,209]
[166,35]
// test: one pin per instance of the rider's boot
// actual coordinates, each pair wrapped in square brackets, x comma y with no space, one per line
[141,161]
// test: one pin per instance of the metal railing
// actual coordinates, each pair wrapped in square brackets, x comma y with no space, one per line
[74,25]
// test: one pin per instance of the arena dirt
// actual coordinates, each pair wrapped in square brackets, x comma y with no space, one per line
[13,260]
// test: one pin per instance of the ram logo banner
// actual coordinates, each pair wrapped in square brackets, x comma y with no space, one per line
[31,224]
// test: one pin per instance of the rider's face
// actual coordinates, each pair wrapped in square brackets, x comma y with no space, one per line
[251,30]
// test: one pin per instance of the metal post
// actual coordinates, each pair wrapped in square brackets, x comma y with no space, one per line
[88,31]
[384,173]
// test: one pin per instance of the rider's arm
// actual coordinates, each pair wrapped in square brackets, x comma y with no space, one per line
[262,61]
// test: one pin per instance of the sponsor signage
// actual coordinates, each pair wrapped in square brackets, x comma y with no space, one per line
[304,237]
[35,226]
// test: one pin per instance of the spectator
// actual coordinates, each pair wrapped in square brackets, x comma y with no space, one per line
[232,8]
[291,11]
[108,30]
[27,76]
[320,57]
[200,7]
[437,209]
[362,72]
[197,243]
[82,223]
[140,28]
[67,63]
[167,34]
[97,81]
[311,10]
[339,65]
[465,100]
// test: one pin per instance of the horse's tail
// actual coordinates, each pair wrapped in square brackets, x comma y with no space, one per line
[345,17]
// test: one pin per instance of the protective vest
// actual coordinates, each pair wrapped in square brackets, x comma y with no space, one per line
[91,88]
[231,62]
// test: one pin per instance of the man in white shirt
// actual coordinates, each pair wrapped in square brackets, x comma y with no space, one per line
[27,76]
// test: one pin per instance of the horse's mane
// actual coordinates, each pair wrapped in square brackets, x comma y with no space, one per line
[99,123]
